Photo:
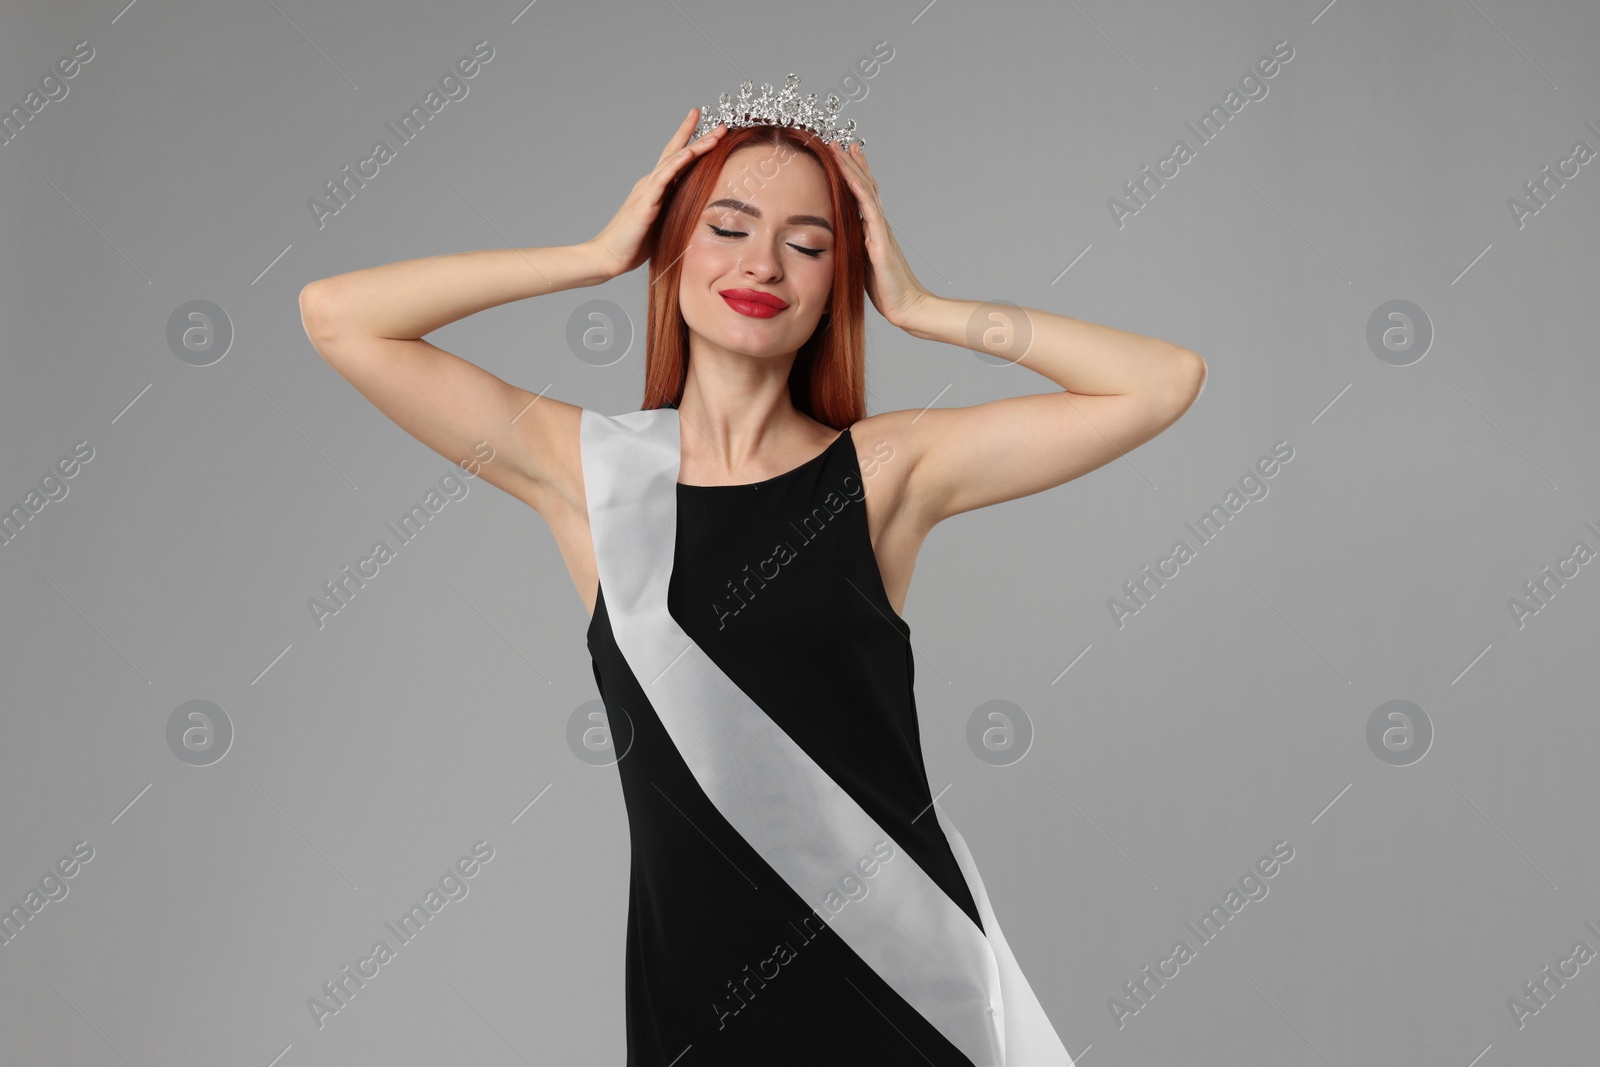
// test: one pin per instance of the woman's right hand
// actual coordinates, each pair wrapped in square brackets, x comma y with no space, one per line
[622,245]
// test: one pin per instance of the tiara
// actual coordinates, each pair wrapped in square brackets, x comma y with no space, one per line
[785,109]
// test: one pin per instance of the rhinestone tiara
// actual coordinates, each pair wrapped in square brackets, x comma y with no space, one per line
[784,109]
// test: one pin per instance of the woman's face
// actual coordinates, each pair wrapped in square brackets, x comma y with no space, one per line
[768,229]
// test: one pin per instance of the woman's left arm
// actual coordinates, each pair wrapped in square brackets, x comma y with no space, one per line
[1118,389]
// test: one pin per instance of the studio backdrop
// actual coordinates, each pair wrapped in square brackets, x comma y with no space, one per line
[1274,738]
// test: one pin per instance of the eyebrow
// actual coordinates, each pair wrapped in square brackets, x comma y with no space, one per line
[755,213]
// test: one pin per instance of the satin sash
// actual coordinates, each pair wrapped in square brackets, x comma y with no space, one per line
[790,810]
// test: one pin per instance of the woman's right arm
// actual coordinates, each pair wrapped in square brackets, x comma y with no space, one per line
[368,325]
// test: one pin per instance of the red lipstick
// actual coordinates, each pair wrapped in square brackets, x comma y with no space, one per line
[753,302]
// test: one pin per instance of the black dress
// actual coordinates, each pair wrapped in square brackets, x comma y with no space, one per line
[778,583]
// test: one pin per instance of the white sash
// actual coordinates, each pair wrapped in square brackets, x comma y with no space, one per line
[791,811]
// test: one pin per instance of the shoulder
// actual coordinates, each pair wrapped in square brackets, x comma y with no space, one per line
[889,447]
[558,429]
[887,436]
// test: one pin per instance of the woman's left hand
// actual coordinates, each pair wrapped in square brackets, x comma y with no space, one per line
[893,289]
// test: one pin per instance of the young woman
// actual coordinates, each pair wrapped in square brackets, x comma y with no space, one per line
[744,544]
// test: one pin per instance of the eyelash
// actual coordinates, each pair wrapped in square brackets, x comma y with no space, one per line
[812,252]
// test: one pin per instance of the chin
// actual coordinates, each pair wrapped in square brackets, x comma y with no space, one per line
[745,346]
[737,333]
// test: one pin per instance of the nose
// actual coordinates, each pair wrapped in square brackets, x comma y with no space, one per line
[760,264]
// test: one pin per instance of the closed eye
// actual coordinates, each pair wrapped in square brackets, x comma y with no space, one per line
[812,252]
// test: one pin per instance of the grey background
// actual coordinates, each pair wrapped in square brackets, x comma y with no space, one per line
[1231,713]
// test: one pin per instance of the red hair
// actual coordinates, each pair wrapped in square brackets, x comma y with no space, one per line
[828,379]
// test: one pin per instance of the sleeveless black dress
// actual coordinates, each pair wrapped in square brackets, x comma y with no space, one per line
[726,963]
